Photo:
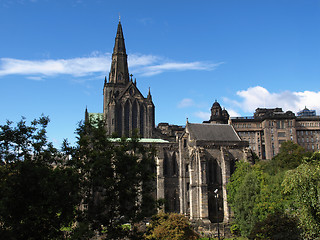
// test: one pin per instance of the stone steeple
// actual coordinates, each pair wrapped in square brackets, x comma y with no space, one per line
[119,67]
[125,109]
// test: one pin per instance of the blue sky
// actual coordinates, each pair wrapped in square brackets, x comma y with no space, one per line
[54,55]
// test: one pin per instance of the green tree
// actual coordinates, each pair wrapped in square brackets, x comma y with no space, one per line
[254,195]
[173,226]
[246,199]
[276,226]
[117,180]
[38,192]
[236,179]
[289,157]
[303,185]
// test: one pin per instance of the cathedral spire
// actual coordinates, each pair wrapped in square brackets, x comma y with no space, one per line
[119,67]
[86,115]
[149,95]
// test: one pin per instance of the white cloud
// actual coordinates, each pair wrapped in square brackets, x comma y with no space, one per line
[186,102]
[138,60]
[233,113]
[202,115]
[258,96]
[35,78]
[75,66]
[146,65]
[8,3]
[178,66]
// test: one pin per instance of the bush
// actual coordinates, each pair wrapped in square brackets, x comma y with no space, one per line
[276,226]
[171,226]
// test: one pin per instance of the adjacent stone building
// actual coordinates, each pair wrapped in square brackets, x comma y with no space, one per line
[268,128]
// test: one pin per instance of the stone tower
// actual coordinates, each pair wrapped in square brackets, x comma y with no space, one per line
[125,109]
[218,115]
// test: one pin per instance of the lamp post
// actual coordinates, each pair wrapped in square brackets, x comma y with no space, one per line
[216,195]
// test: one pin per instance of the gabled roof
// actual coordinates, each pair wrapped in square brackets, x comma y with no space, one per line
[212,132]
[126,89]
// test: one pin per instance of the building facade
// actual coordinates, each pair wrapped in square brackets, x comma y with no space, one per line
[268,128]
[194,162]
[207,156]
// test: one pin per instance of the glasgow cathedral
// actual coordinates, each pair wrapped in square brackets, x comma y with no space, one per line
[195,161]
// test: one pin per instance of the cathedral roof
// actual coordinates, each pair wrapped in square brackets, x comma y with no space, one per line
[128,87]
[212,132]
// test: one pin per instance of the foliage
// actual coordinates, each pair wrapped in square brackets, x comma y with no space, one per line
[171,226]
[233,238]
[38,192]
[303,184]
[235,229]
[256,194]
[245,202]
[243,191]
[236,179]
[289,157]
[117,180]
[276,226]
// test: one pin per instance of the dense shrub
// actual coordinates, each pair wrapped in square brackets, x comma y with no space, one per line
[171,226]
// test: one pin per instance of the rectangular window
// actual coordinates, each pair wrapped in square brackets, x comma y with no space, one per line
[281,134]
[281,141]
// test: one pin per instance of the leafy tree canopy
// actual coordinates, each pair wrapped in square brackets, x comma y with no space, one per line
[38,192]
[286,187]
[117,180]
[303,185]
[289,157]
